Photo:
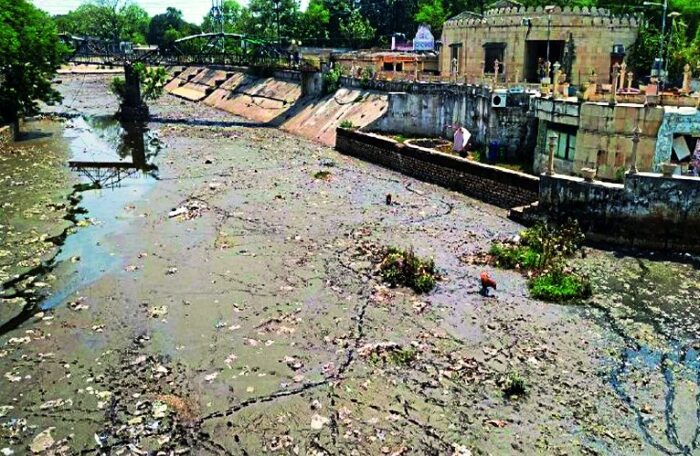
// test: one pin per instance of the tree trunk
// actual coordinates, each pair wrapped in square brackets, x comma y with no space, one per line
[133,107]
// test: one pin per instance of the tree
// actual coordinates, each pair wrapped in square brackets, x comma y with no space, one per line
[313,24]
[135,21]
[356,30]
[232,14]
[30,53]
[163,23]
[266,14]
[113,20]
[338,10]
[432,12]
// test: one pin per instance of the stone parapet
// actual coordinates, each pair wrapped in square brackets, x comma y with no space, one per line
[497,186]
[648,211]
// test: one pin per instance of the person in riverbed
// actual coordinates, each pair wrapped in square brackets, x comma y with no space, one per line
[486,283]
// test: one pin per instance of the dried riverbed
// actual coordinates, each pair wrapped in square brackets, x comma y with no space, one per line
[227,304]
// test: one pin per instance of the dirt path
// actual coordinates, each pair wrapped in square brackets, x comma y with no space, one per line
[256,323]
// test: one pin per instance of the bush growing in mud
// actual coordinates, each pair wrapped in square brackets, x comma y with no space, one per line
[403,267]
[322,175]
[542,251]
[557,285]
[514,385]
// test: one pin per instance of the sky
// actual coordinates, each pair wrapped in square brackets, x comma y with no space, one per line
[193,10]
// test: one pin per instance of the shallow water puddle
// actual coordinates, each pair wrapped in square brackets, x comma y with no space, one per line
[114,164]
[117,158]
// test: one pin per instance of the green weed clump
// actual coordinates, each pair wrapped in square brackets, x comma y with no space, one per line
[515,256]
[514,385]
[403,357]
[346,124]
[403,267]
[322,175]
[558,286]
[543,251]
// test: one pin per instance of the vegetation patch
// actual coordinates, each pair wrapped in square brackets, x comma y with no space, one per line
[322,175]
[542,251]
[514,385]
[558,285]
[514,256]
[389,353]
[331,79]
[404,268]
[347,124]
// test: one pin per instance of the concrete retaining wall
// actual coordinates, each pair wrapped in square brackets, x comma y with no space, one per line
[493,185]
[291,100]
[648,211]
[425,109]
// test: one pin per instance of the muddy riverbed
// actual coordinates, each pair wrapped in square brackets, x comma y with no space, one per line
[220,299]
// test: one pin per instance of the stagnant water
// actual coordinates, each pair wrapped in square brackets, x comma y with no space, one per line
[114,164]
[653,305]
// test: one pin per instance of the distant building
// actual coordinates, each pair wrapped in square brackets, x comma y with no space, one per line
[581,39]
[387,62]
[424,40]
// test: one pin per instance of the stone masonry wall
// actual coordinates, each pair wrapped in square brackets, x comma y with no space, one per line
[648,211]
[594,31]
[493,185]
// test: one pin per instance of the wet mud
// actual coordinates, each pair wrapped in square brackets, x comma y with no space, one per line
[230,304]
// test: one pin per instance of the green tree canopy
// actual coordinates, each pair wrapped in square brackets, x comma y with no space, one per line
[356,30]
[30,53]
[433,13]
[116,20]
[265,13]
[162,24]
[313,23]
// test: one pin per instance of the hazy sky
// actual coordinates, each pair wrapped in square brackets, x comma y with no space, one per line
[193,10]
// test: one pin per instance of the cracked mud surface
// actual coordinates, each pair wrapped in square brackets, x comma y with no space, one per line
[256,323]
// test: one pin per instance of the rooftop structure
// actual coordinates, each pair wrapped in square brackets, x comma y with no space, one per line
[522,39]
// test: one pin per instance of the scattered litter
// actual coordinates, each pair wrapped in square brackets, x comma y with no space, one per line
[158,311]
[211,377]
[189,210]
[318,421]
[43,441]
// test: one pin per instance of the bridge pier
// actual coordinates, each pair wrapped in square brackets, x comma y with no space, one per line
[132,107]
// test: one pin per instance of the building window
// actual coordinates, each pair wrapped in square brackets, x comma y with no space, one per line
[388,66]
[493,52]
[399,66]
[566,141]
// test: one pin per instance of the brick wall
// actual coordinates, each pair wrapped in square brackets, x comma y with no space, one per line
[498,186]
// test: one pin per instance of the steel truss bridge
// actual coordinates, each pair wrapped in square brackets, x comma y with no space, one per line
[229,49]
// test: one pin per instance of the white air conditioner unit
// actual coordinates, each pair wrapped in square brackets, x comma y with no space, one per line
[499,99]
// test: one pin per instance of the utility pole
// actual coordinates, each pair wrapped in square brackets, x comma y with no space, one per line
[549,10]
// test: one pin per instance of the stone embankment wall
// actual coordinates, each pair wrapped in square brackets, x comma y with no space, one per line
[428,109]
[498,186]
[289,100]
[649,211]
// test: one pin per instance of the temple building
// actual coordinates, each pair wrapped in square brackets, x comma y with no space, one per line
[522,39]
